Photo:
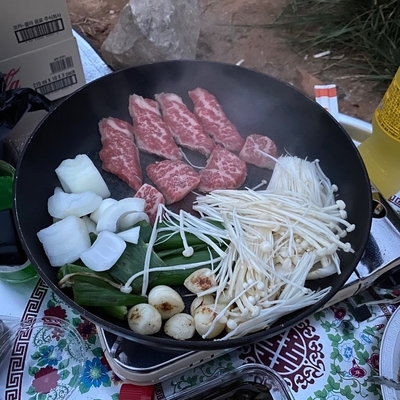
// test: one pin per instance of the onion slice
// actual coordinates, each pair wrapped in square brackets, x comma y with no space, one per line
[130,235]
[79,174]
[65,240]
[108,220]
[104,252]
[95,215]
[132,219]
[61,204]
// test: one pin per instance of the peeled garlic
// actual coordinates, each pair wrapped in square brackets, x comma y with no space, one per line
[200,280]
[144,319]
[180,326]
[199,302]
[166,300]
[204,319]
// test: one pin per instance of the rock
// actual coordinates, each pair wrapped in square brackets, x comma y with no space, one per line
[153,30]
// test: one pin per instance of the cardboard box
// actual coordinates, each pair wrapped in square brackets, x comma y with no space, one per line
[55,71]
[27,25]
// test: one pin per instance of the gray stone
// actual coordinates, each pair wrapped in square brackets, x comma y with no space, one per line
[153,30]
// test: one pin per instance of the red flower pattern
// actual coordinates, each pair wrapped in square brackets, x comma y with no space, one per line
[56,311]
[339,313]
[86,329]
[104,361]
[373,361]
[45,380]
[357,371]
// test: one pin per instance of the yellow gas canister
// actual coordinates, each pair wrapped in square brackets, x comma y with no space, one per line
[381,151]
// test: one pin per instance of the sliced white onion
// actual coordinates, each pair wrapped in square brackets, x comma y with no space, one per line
[62,204]
[104,252]
[132,219]
[109,218]
[130,235]
[65,240]
[79,175]
[90,225]
[95,215]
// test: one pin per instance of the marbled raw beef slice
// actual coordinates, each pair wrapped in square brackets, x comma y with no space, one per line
[214,121]
[224,170]
[253,149]
[183,124]
[151,132]
[119,154]
[174,179]
[153,199]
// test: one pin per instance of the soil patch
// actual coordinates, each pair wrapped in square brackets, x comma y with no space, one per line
[234,31]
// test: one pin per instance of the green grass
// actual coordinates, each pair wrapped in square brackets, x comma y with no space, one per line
[366,32]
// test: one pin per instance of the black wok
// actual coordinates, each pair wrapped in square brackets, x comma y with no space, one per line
[256,103]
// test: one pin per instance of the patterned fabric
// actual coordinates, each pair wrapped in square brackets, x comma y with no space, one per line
[328,356]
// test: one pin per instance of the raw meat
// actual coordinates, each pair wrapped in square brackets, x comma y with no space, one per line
[253,149]
[174,179]
[151,132]
[183,124]
[153,199]
[224,170]
[214,121]
[119,154]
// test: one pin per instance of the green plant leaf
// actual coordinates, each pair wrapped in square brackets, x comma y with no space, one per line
[83,389]
[33,370]
[36,355]
[92,339]
[321,394]
[64,374]
[107,383]
[346,391]
[76,377]
[333,384]
[63,364]
[62,344]
[98,352]
[31,390]
[335,338]
[335,369]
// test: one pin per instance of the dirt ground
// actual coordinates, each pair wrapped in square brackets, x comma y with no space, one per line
[234,30]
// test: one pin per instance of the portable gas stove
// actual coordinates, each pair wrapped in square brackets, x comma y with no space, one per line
[143,365]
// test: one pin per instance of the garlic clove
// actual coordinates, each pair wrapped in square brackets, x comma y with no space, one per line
[144,319]
[204,319]
[166,300]
[200,280]
[199,302]
[180,326]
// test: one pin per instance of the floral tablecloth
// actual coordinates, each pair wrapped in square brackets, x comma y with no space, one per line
[327,356]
